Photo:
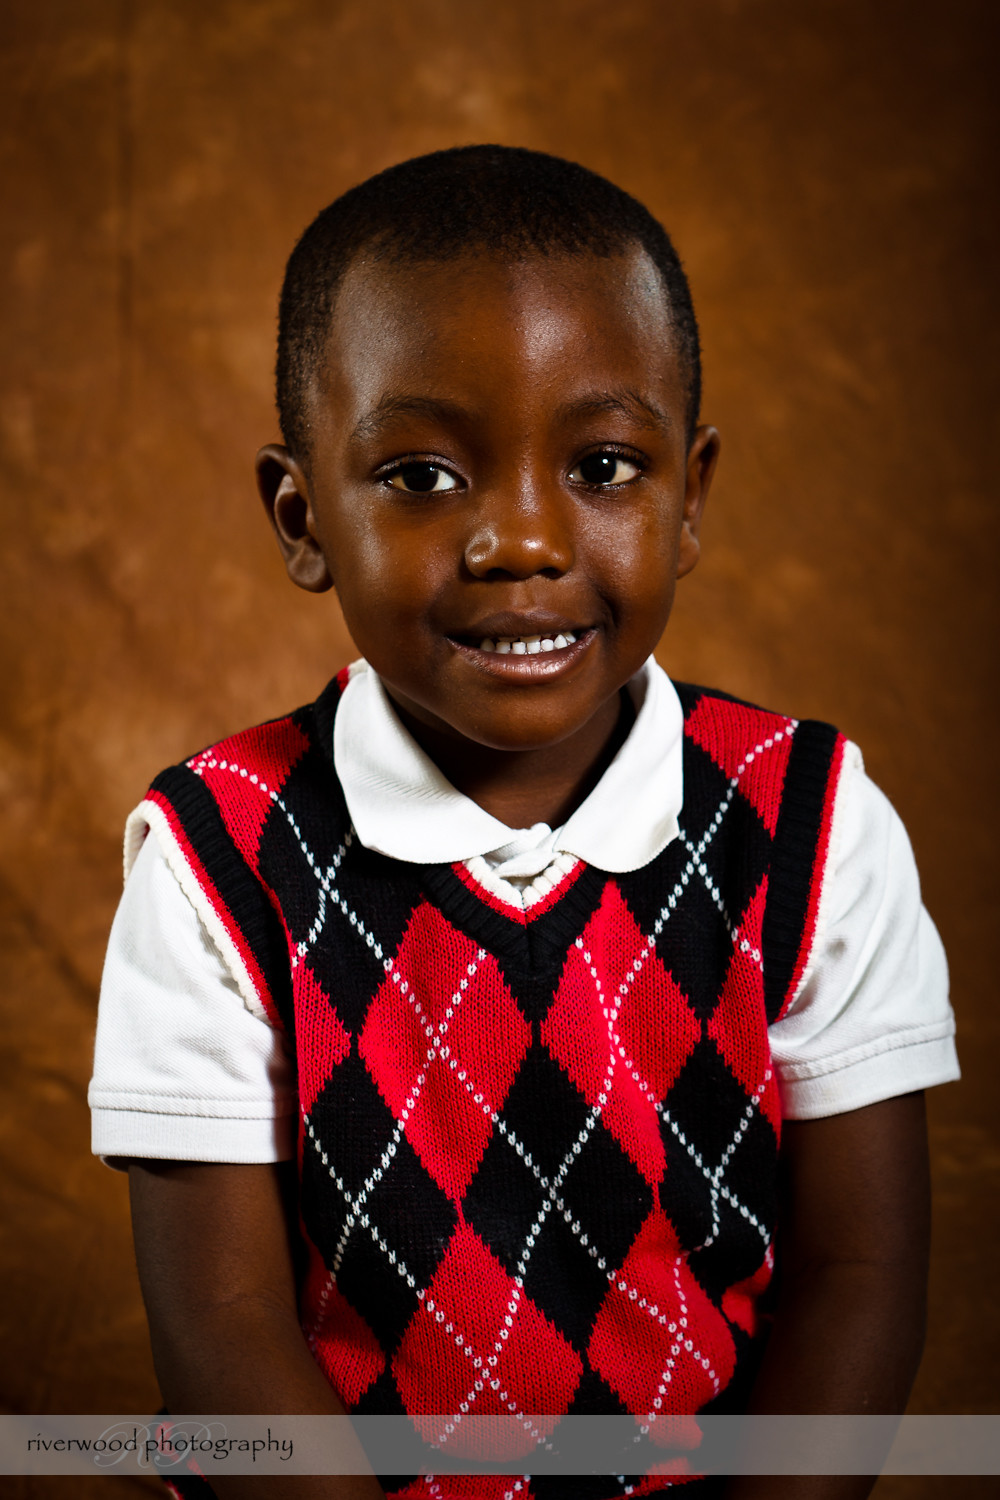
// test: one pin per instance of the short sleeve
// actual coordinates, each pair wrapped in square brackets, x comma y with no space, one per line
[182,1069]
[871,1018]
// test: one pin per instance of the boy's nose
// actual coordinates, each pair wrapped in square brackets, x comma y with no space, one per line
[521,537]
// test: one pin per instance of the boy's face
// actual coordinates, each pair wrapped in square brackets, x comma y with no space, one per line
[498,454]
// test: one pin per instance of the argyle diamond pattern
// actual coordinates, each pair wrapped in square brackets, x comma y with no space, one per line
[537,1166]
[443,1046]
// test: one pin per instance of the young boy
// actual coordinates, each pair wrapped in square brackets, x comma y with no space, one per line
[451,1024]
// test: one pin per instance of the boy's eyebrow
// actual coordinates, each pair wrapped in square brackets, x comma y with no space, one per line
[397,405]
[626,401]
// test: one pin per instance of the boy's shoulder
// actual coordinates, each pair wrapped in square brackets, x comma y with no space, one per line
[758,747]
[219,807]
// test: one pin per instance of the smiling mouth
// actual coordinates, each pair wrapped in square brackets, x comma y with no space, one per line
[526,658]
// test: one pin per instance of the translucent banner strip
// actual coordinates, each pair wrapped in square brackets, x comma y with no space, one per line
[519,1446]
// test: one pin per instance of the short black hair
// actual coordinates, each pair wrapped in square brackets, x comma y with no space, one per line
[504,201]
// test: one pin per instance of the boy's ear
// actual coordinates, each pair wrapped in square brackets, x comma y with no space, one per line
[703,455]
[284,490]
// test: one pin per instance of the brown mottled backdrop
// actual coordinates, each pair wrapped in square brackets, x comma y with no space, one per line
[825,168]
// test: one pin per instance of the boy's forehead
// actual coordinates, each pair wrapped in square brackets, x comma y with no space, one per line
[393,320]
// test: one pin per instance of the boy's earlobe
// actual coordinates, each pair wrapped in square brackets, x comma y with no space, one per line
[703,456]
[284,490]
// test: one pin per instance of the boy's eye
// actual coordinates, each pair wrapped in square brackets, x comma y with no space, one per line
[421,479]
[605,468]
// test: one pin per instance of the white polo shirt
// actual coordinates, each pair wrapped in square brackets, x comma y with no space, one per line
[185,1069]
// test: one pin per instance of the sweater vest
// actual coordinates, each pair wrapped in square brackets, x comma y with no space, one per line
[537,1148]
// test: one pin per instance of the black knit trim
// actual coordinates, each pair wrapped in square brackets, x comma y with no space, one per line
[317,719]
[796,838]
[242,894]
[537,946]
[552,934]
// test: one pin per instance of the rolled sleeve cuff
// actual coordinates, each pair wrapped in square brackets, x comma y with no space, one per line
[902,1064]
[119,1136]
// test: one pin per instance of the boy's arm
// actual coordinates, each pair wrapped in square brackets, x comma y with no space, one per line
[849,1325]
[216,1270]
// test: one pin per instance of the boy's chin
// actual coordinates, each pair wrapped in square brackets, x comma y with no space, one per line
[516,730]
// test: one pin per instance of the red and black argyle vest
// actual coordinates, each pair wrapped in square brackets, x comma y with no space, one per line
[538,1150]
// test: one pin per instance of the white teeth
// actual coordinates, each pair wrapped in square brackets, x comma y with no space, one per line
[527,645]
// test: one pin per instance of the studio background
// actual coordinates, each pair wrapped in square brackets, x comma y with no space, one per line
[825,170]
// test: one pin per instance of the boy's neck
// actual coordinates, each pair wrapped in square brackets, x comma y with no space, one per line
[524,787]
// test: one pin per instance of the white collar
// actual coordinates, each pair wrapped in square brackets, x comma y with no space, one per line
[403,806]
